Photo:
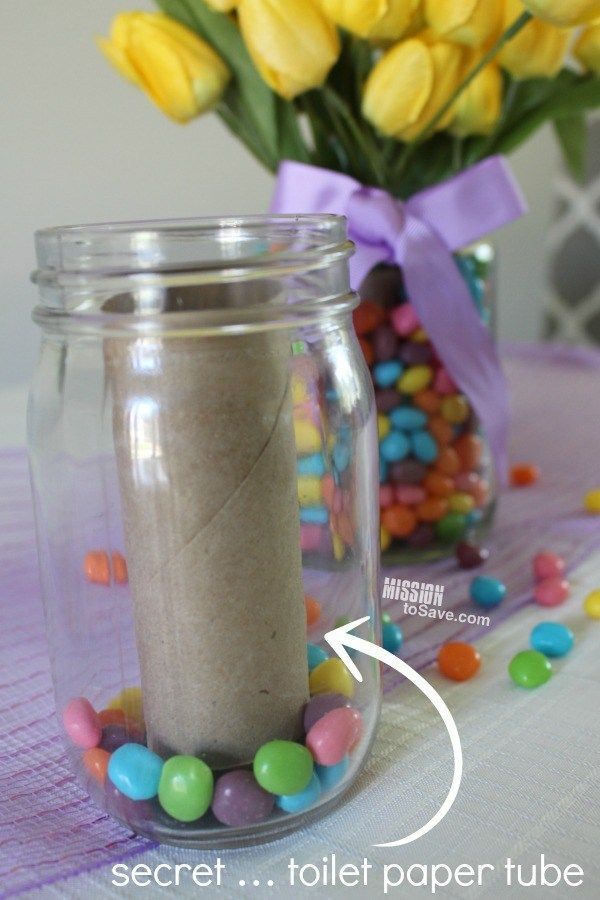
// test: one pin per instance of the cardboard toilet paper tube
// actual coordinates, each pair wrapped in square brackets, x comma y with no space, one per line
[207,470]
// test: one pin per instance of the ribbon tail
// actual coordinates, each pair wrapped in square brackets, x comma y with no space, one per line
[464,344]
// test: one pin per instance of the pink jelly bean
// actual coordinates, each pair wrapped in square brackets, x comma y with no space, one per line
[548,565]
[551,591]
[410,494]
[466,482]
[334,735]
[386,495]
[480,492]
[82,723]
[404,319]
[443,384]
[310,537]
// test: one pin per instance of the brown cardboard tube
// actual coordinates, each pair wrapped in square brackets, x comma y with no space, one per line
[205,451]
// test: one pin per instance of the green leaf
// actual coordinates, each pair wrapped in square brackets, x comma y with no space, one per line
[571,134]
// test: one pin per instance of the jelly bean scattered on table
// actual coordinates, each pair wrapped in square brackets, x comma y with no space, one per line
[530,669]
[551,591]
[470,556]
[591,502]
[458,660]
[552,638]
[591,604]
[487,591]
[524,474]
[391,637]
[548,565]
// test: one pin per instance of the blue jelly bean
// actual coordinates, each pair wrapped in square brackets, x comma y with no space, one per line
[383,470]
[341,456]
[135,771]
[315,655]
[385,374]
[552,638]
[332,395]
[474,517]
[312,465]
[394,447]
[487,591]
[330,776]
[407,418]
[424,447]
[391,637]
[314,515]
[294,803]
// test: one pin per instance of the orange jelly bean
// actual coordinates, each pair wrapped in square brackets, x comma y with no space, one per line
[111,717]
[438,484]
[448,461]
[458,661]
[524,474]
[428,401]
[399,520]
[432,509]
[470,451]
[441,430]
[119,567]
[97,567]
[96,762]
[313,610]
[328,489]
[367,317]
[367,349]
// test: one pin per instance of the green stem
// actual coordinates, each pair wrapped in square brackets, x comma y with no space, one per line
[356,134]
[234,124]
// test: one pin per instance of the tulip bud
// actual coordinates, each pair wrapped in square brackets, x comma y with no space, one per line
[292,44]
[537,51]
[470,22]
[564,13]
[222,5]
[587,49]
[376,19]
[478,108]
[180,73]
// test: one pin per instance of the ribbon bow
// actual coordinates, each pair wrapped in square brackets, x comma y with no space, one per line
[420,235]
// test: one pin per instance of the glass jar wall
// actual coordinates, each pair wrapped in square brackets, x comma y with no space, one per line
[204,460]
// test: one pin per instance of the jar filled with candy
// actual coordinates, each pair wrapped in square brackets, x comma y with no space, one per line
[437,481]
[203,450]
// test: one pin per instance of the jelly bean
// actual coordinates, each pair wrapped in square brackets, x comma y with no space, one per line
[591,502]
[391,637]
[432,509]
[406,418]
[341,456]
[394,447]
[548,565]
[458,660]
[295,803]
[238,800]
[455,409]
[331,677]
[383,470]
[486,591]
[408,494]
[313,611]
[367,317]
[283,767]
[530,669]
[385,618]
[96,567]
[420,336]
[415,379]
[552,638]
[314,515]
[310,492]
[443,384]
[451,527]
[300,395]
[386,399]
[422,536]
[428,401]
[321,704]
[524,474]
[461,503]
[424,446]
[114,736]
[474,517]
[384,426]
[130,701]
[185,789]
[311,537]
[119,568]
[367,349]
[386,495]
[308,437]
[441,430]
[334,735]
[385,343]
[438,484]
[111,717]
[466,482]
[448,462]
[480,492]
[338,546]
[407,471]
[385,374]
[551,591]
[314,464]
[469,448]
[469,555]
[591,604]
[414,354]
[315,656]
[399,520]
[82,723]
[385,538]
[96,762]
[135,771]
[404,319]
[330,776]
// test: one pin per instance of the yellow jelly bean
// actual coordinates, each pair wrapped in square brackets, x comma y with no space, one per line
[415,379]
[461,503]
[130,701]
[339,548]
[591,502]
[299,392]
[455,409]
[591,604]
[310,491]
[383,426]
[308,439]
[419,336]
[331,677]
[385,538]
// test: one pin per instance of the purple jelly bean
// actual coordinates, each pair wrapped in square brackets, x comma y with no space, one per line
[414,354]
[321,704]
[385,343]
[422,537]
[114,736]
[407,471]
[134,812]
[387,399]
[238,799]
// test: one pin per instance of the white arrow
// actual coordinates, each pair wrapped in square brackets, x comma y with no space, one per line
[338,640]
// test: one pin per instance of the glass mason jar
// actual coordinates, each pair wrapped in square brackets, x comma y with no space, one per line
[437,483]
[204,462]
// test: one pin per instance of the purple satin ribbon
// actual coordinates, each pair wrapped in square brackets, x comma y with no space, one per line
[420,235]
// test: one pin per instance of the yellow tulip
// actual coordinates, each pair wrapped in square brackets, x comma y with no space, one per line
[537,51]
[176,68]
[222,5]
[478,108]
[401,16]
[564,13]
[293,45]
[385,20]
[587,48]
[410,84]
[471,22]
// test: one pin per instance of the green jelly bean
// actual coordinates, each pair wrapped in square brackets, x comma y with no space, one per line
[186,787]
[451,527]
[530,669]
[283,767]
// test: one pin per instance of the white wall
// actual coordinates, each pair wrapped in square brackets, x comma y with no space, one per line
[80,145]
